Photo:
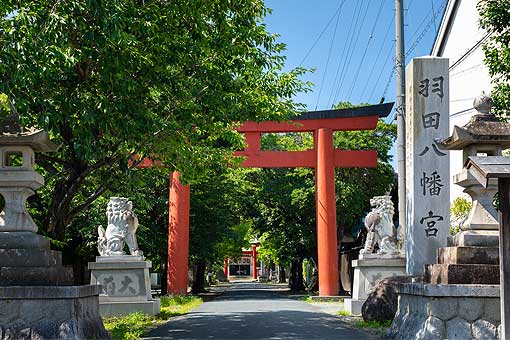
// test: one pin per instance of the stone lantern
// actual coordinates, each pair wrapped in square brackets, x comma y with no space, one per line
[37,297]
[18,181]
[484,135]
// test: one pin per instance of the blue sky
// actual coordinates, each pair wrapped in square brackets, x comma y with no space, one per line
[362,48]
[350,44]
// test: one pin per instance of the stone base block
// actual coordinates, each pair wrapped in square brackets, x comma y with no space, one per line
[36,276]
[33,267]
[126,285]
[119,258]
[468,255]
[353,306]
[22,240]
[429,311]
[29,258]
[124,308]
[477,238]
[367,272]
[397,256]
[43,312]
[461,274]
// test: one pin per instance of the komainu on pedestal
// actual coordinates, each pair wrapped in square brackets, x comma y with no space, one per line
[124,278]
[121,229]
[381,256]
[381,231]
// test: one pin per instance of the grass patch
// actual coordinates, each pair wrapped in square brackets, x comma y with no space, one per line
[373,324]
[307,298]
[134,325]
[344,313]
[177,305]
[317,299]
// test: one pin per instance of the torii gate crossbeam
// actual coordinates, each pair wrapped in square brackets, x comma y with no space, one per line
[323,158]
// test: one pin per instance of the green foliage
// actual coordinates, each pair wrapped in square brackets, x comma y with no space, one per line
[356,186]
[344,313]
[177,305]
[134,325]
[348,105]
[117,78]
[459,211]
[4,105]
[217,228]
[495,19]
[309,273]
[130,327]
[373,324]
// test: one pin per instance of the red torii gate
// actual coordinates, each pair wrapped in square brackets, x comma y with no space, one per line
[324,158]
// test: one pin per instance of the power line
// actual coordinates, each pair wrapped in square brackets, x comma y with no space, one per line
[376,59]
[365,52]
[462,111]
[342,60]
[416,42]
[435,24]
[389,81]
[327,61]
[382,71]
[469,69]
[425,30]
[322,32]
[469,51]
[344,74]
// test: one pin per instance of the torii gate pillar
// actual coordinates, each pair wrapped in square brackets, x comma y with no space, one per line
[326,214]
[178,236]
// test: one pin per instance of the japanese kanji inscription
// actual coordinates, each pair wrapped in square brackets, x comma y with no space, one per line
[427,166]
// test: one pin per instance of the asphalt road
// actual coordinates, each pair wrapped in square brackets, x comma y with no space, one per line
[257,311]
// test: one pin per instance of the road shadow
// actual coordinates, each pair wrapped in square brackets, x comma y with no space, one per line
[276,324]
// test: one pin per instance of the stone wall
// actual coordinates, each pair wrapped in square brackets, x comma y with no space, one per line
[422,316]
[50,313]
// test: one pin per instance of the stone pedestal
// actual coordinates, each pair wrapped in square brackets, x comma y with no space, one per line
[57,312]
[126,285]
[430,311]
[37,299]
[368,270]
[464,265]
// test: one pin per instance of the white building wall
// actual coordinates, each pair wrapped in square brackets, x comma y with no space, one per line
[468,74]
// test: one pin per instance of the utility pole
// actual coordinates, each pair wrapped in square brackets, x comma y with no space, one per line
[401,112]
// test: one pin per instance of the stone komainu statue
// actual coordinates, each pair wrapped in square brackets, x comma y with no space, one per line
[380,227]
[121,229]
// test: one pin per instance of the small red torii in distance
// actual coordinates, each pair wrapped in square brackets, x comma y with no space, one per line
[323,158]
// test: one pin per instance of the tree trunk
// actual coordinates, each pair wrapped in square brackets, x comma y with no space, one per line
[296,275]
[281,274]
[164,273]
[199,278]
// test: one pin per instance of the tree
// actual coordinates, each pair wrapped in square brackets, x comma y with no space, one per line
[495,19]
[459,211]
[217,226]
[109,79]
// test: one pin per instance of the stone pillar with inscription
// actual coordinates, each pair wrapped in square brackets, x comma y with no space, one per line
[427,166]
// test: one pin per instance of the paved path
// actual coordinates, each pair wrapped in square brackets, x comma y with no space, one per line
[257,311]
